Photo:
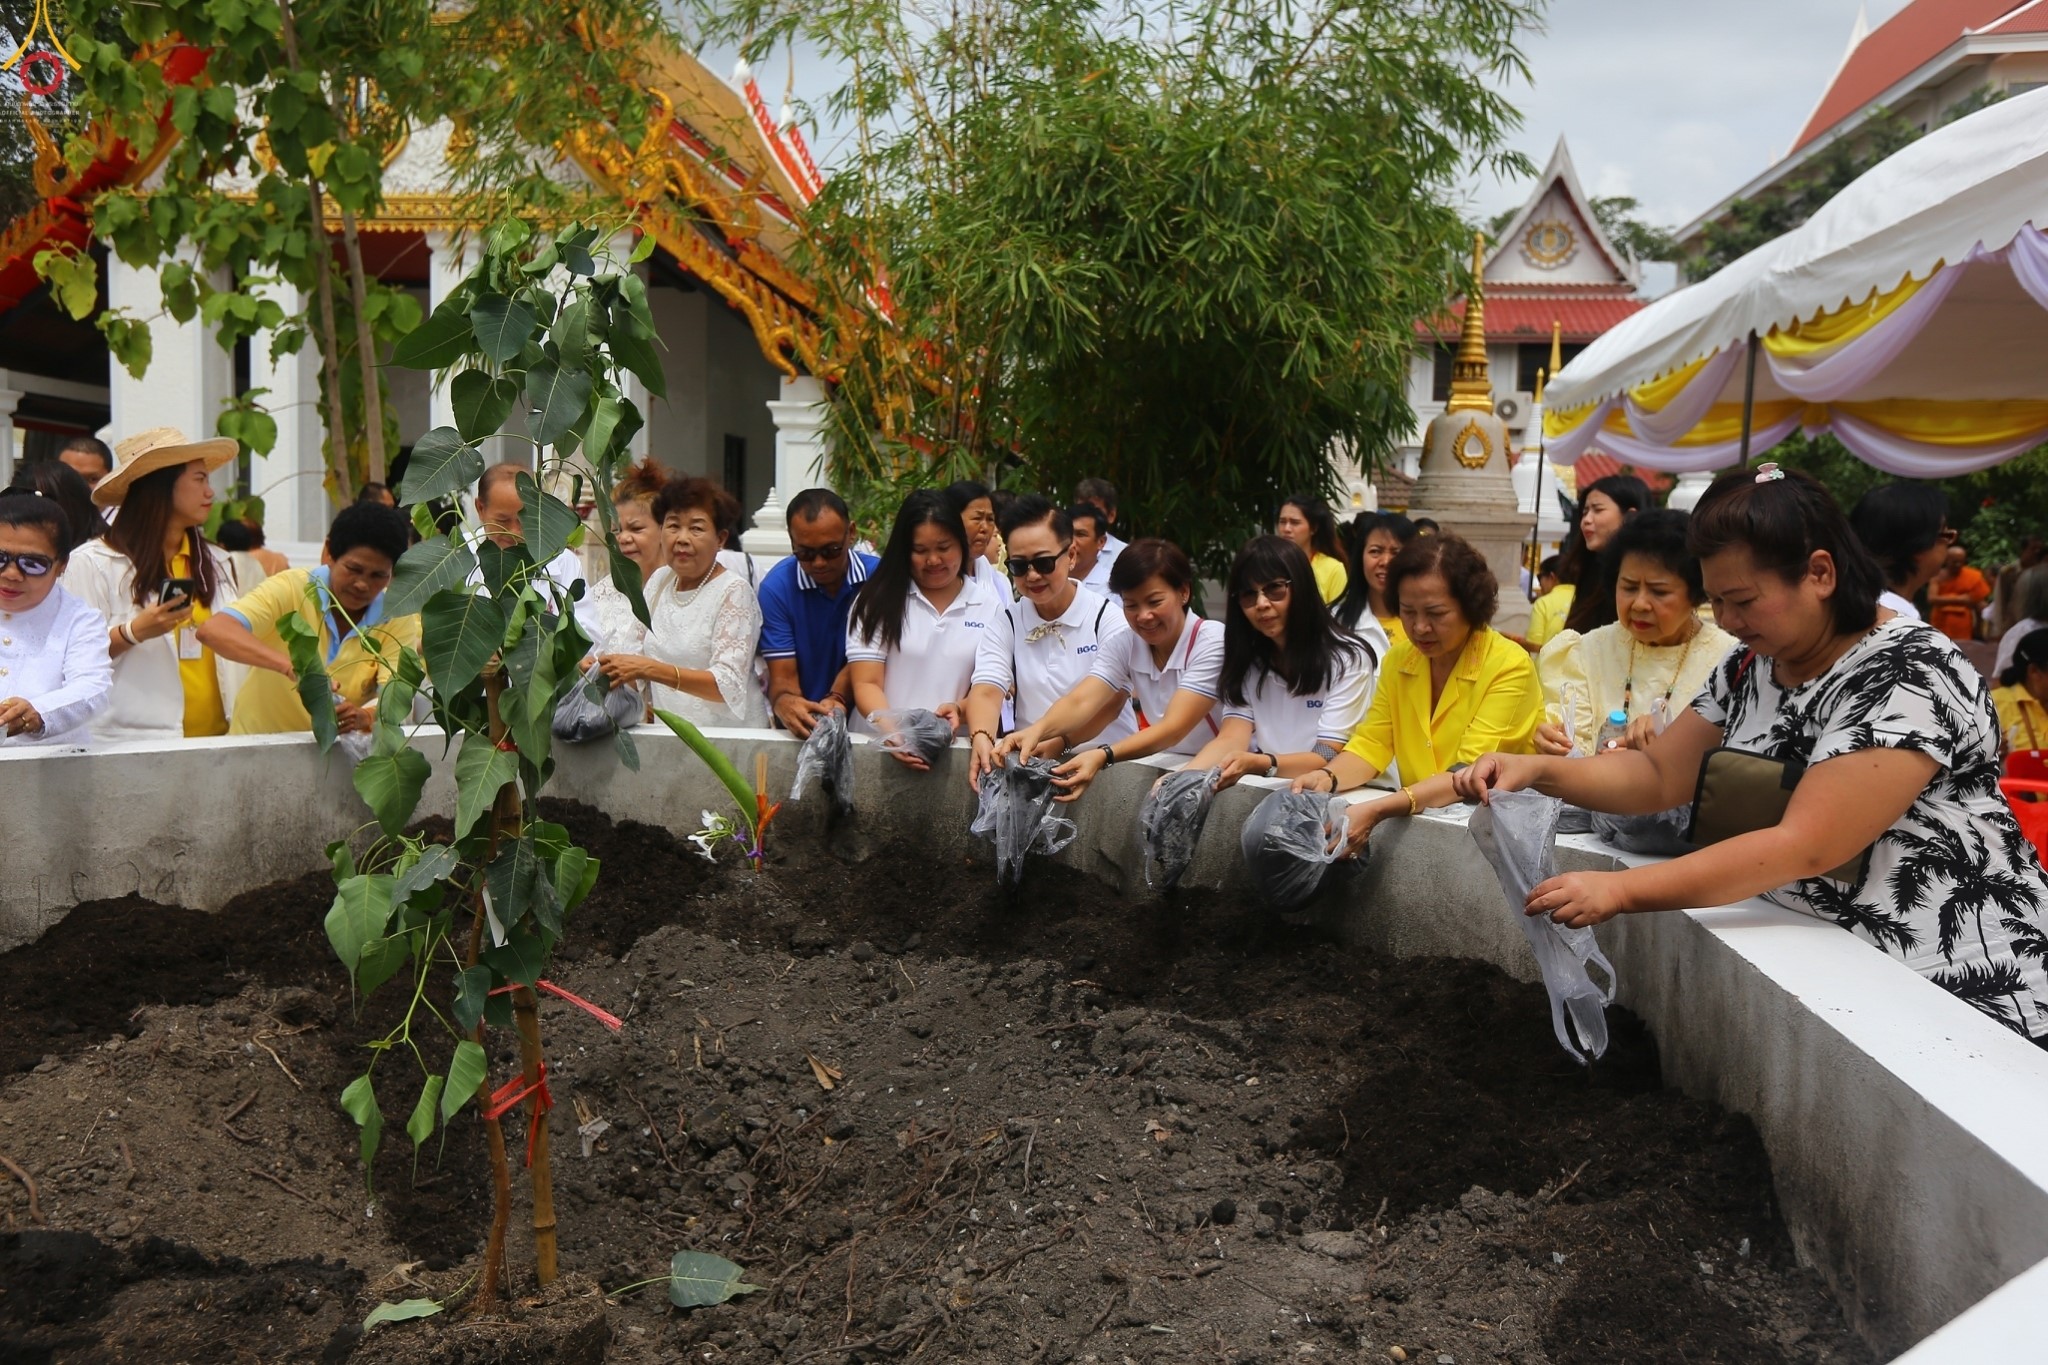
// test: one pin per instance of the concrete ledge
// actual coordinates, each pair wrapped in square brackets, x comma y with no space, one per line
[1905,1131]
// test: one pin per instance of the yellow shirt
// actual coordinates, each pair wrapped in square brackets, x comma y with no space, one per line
[1547,613]
[357,666]
[206,712]
[1331,577]
[1594,671]
[1392,626]
[2022,720]
[1490,703]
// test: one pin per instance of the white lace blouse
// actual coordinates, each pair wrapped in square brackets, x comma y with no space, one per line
[618,630]
[716,627]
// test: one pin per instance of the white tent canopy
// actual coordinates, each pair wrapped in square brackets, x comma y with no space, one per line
[1909,316]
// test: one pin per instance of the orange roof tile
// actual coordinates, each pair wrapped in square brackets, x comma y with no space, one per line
[1898,47]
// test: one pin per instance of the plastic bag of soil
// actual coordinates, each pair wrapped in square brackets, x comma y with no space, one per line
[593,711]
[1170,822]
[1017,814]
[1661,833]
[1517,833]
[827,758]
[925,734]
[1288,843]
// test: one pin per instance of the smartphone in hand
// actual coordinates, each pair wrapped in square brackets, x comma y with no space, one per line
[178,589]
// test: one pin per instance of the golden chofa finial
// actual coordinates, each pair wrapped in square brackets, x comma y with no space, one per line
[1471,380]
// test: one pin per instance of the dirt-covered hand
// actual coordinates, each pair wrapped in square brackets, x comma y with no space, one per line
[1073,776]
[1241,765]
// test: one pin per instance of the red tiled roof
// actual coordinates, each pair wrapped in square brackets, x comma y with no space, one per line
[1896,48]
[1598,464]
[2027,19]
[1527,317]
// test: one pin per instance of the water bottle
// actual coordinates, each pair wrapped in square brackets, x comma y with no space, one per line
[1611,731]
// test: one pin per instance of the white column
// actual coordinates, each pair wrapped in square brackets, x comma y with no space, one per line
[292,478]
[799,461]
[1689,490]
[8,398]
[629,383]
[190,377]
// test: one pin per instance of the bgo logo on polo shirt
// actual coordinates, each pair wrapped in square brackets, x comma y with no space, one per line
[972,624]
[1079,650]
[1314,703]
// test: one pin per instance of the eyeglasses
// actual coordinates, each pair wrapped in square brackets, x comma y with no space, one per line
[1042,565]
[813,554]
[1277,592]
[31,564]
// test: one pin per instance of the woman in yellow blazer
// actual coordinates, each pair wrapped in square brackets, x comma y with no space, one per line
[2021,717]
[1453,690]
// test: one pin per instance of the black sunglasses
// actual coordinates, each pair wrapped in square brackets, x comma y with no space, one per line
[1277,592]
[1042,565]
[31,564]
[811,554]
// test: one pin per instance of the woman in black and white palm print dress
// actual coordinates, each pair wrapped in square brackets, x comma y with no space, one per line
[1899,741]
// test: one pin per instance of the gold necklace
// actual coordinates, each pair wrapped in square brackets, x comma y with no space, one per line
[1628,683]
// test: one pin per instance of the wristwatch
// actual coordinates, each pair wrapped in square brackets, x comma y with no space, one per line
[1108,754]
[1272,765]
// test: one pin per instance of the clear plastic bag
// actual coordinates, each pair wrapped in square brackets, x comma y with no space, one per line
[1517,833]
[925,734]
[1288,843]
[1661,834]
[593,711]
[1170,822]
[827,756]
[1017,814]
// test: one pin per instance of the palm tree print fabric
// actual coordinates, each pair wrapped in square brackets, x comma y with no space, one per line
[1953,888]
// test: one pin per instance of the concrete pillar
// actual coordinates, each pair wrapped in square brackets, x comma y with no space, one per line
[8,398]
[1690,489]
[190,377]
[799,416]
[292,478]
[629,384]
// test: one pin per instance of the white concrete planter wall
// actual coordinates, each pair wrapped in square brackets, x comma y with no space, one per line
[1908,1136]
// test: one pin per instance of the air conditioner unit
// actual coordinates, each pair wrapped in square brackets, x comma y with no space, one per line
[1514,408]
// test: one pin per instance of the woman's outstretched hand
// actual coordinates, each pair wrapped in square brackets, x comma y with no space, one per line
[1489,773]
[1577,900]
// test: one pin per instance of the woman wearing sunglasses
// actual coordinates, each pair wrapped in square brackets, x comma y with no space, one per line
[1294,683]
[1044,644]
[54,671]
[1168,664]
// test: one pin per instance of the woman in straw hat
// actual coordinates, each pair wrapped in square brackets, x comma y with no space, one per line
[156,579]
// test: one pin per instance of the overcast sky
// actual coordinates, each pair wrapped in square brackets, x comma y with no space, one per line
[1675,103]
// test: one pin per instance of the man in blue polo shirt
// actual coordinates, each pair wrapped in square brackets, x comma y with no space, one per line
[804,604]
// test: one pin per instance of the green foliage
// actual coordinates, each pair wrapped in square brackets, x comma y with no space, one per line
[697,1279]
[1995,511]
[305,99]
[405,1310]
[1179,246]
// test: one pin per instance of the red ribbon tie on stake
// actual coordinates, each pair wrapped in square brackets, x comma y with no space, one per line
[603,1016]
[515,1090]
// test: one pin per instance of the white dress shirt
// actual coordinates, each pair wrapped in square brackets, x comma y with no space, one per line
[54,657]
[1041,670]
[1125,663]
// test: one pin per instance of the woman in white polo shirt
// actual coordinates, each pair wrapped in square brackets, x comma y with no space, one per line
[1294,684]
[1167,663]
[914,629]
[1043,645]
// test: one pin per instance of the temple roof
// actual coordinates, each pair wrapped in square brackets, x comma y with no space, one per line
[1921,34]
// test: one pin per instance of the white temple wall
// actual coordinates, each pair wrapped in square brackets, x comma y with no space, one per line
[189,377]
[718,386]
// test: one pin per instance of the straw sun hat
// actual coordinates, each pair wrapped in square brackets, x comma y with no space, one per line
[158,448]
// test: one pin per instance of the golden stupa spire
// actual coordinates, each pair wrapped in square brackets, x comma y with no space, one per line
[1471,381]
[1556,359]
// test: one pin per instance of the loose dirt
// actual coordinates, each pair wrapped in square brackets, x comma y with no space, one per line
[1061,1127]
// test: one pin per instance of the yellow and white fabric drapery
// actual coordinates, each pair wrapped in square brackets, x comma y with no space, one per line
[1909,317]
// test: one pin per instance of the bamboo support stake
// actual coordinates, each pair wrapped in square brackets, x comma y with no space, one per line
[526,1016]
[501,1167]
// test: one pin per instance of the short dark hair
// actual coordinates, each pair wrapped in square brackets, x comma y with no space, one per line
[1426,526]
[369,526]
[374,491]
[813,503]
[1548,566]
[1659,536]
[1029,509]
[65,486]
[1150,558]
[1092,513]
[965,491]
[1783,522]
[688,493]
[235,535]
[91,445]
[506,472]
[1101,492]
[1464,570]
[2032,650]
[1897,523]
[25,507]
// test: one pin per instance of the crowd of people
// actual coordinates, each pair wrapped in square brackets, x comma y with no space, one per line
[1345,656]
